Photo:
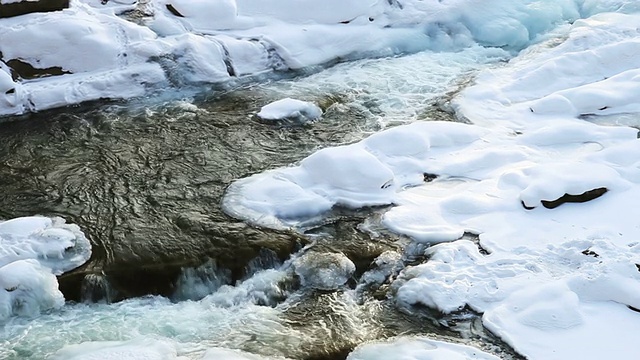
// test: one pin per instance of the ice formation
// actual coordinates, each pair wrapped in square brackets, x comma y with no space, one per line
[32,251]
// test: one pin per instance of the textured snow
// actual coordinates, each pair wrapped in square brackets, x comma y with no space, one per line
[417,348]
[26,289]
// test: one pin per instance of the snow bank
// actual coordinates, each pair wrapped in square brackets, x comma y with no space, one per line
[290,109]
[546,191]
[417,348]
[363,174]
[56,245]
[205,41]
[143,349]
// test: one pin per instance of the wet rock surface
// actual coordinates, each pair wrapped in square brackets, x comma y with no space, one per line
[145,185]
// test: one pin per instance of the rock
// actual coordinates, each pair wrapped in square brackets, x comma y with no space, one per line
[570,198]
[26,7]
[292,110]
[324,271]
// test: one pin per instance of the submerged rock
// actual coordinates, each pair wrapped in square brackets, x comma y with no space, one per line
[324,271]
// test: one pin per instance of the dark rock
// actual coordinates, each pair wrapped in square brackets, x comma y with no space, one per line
[174,11]
[569,198]
[26,7]
[25,70]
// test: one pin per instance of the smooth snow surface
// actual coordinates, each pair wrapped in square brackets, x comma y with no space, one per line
[416,348]
[290,109]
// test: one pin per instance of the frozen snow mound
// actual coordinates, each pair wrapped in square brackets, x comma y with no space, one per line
[139,349]
[27,288]
[288,109]
[53,243]
[417,348]
[366,173]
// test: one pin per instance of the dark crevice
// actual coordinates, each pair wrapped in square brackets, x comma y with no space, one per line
[28,71]
[174,11]
[569,198]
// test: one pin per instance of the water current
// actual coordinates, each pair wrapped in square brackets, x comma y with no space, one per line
[144,179]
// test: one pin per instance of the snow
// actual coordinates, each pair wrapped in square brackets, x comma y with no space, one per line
[290,109]
[544,274]
[144,349]
[417,348]
[209,39]
[26,289]
[32,251]
[553,283]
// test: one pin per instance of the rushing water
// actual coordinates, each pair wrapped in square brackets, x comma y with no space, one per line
[144,181]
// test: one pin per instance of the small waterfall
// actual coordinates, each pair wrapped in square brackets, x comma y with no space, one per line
[266,259]
[96,288]
[196,283]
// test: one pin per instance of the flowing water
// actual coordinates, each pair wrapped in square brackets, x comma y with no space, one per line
[144,180]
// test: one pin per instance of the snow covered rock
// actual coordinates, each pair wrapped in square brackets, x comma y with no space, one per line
[293,110]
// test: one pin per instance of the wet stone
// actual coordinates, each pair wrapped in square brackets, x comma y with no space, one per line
[145,183]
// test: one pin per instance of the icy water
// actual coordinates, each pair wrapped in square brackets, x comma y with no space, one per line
[144,180]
